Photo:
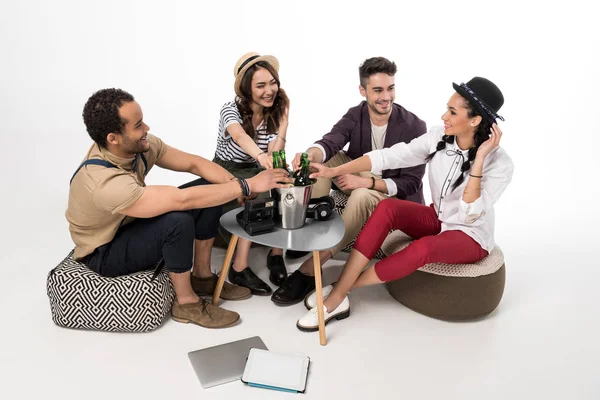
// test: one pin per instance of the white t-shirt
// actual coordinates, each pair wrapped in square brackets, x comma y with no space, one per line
[227,148]
[377,142]
[378,136]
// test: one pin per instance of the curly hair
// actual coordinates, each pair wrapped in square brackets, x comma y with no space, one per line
[273,114]
[101,113]
[375,65]
[481,135]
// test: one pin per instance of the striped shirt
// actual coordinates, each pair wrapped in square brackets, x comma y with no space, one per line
[227,148]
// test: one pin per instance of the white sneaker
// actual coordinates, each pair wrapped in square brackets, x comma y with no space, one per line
[310,301]
[310,322]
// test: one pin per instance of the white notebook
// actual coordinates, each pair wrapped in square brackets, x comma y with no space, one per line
[270,370]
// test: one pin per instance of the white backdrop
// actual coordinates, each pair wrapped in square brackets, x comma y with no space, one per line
[177,59]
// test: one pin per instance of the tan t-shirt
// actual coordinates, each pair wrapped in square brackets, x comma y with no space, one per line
[98,193]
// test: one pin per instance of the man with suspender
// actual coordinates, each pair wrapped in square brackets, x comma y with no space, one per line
[120,225]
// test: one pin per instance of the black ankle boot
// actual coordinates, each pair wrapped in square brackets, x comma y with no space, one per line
[248,278]
[294,289]
[277,267]
[293,254]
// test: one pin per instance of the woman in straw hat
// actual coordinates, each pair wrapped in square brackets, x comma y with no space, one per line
[250,128]
[468,172]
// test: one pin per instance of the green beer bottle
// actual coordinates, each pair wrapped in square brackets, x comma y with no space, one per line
[302,178]
[282,157]
[276,159]
[284,164]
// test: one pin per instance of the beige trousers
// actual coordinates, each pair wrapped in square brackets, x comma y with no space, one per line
[361,202]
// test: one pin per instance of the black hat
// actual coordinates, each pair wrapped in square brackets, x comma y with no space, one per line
[483,95]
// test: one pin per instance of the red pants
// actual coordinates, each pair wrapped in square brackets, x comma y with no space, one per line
[419,222]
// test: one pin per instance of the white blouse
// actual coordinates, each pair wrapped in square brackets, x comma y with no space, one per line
[476,219]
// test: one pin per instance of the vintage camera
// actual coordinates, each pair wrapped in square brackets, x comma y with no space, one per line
[257,216]
[320,208]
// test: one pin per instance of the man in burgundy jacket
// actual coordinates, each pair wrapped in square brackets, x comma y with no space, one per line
[374,124]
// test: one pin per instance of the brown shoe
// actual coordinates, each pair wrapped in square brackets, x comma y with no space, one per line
[204,314]
[207,286]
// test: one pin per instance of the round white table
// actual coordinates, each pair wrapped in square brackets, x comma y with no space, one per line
[313,236]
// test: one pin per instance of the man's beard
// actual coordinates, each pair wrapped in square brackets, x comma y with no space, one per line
[137,147]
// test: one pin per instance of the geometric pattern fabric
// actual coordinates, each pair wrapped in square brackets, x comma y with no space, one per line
[82,299]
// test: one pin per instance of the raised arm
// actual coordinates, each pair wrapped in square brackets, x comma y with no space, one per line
[361,164]
[177,160]
[489,176]
[241,138]
[280,138]
[339,136]
[157,200]
[400,155]
[473,188]
[331,143]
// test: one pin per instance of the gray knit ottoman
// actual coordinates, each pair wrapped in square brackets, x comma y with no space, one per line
[82,299]
[452,292]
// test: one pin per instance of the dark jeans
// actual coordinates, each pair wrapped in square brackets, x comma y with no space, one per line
[141,244]
[239,170]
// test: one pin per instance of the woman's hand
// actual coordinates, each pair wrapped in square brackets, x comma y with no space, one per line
[321,171]
[283,122]
[490,144]
[264,160]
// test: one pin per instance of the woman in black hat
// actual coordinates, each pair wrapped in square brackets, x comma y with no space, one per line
[468,172]
[250,128]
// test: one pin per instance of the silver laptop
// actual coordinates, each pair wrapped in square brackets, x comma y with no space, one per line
[223,363]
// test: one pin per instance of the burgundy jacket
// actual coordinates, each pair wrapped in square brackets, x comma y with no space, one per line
[355,128]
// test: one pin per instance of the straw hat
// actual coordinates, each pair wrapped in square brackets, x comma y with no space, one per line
[245,62]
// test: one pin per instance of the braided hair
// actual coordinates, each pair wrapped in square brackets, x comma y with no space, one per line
[481,135]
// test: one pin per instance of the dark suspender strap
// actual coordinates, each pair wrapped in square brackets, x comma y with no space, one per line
[135,162]
[158,269]
[94,161]
[145,163]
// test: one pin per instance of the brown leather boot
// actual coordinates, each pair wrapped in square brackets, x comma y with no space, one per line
[204,314]
[207,286]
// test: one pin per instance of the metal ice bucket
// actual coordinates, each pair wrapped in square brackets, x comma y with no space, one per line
[291,205]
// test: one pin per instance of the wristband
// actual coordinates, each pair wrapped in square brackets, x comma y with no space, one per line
[476,176]
[373,185]
[244,186]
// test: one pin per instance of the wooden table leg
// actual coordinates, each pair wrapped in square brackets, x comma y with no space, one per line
[225,268]
[319,292]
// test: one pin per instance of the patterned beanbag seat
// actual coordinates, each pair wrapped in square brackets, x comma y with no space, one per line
[82,299]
